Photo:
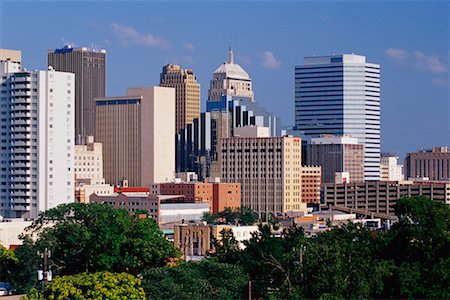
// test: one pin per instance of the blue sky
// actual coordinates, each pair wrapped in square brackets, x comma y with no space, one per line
[410,40]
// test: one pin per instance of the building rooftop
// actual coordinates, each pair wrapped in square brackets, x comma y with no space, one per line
[69,48]
[232,70]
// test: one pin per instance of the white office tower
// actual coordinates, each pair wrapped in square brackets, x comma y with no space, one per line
[340,95]
[229,79]
[37,147]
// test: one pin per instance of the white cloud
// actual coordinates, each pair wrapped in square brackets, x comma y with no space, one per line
[396,53]
[441,82]
[418,60]
[430,62]
[189,46]
[269,61]
[129,37]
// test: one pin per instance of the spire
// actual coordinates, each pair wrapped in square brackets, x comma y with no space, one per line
[231,60]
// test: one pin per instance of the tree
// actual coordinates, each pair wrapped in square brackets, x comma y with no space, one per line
[206,279]
[92,238]
[8,263]
[227,247]
[419,244]
[101,285]
[242,216]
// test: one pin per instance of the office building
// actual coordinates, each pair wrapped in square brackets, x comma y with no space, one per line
[187,94]
[390,169]
[381,196]
[268,169]
[197,144]
[137,133]
[336,154]
[340,95]
[218,194]
[89,161]
[89,67]
[37,140]
[434,164]
[229,79]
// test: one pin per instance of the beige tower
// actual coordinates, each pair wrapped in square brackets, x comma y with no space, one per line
[268,169]
[137,133]
[187,94]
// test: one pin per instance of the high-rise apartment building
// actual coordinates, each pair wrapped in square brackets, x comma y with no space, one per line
[340,95]
[187,94]
[337,154]
[89,67]
[137,133]
[268,169]
[229,79]
[434,164]
[36,140]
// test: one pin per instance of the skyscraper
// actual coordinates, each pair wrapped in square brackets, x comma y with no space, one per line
[229,79]
[340,95]
[187,94]
[37,140]
[137,132]
[89,67]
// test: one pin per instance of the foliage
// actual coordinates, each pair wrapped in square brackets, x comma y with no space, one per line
[92,238]
[227,247]
[206,279]
[242,216]
[412,260]
[8,263]
[101,285]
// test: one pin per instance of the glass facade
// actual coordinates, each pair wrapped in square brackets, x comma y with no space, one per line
[340,95]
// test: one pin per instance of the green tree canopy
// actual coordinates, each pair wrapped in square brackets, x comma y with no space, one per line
[206,279]
[8,263]
[101,285]
[93,238]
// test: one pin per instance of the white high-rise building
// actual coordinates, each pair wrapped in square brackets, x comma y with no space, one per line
[37,141]
[340,95]
[229,79]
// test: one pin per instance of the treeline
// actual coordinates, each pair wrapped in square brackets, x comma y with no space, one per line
[96,248]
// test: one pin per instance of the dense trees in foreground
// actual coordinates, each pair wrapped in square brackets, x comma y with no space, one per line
[411,260]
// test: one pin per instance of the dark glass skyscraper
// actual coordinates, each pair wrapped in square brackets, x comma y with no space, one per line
[89,67]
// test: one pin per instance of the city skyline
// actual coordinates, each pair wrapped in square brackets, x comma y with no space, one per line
[408,39]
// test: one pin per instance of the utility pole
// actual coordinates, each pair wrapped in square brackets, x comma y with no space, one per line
[249,290]
[44,273]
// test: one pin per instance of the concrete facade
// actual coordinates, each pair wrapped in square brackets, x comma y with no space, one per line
[381,196]
[37,141]
[136,132]
[434,164]
[390,170]
[89,161]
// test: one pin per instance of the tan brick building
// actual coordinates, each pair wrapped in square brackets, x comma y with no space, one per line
[268,169]
[311,182]
[187,93]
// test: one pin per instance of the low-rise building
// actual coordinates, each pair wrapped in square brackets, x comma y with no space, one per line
[89,161]
[219,195]
[381,196]
[311,182]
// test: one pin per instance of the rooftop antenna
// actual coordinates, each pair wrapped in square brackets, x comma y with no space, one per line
[231,55]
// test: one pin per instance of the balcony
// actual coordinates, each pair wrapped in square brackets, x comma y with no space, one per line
[21,86]
[21,165]
[20,136]
[21,143]
[24,100]
[18,115]
[22,129]
[21,94]
[20,122]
